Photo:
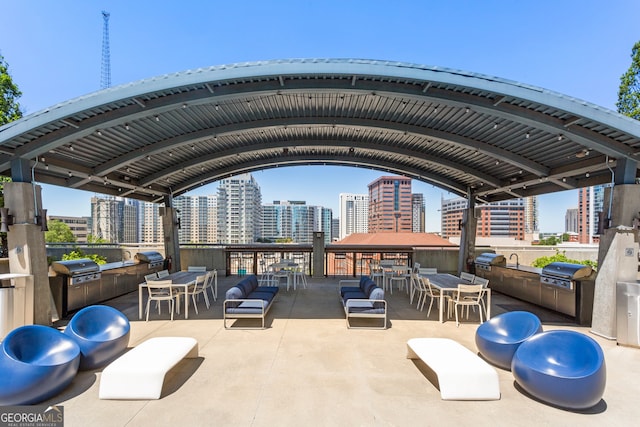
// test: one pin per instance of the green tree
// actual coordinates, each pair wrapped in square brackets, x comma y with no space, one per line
[560,257]
[93,239]
[79,254]
[629,92]
[59,232]
[4,244]
[9,94]
[9,111]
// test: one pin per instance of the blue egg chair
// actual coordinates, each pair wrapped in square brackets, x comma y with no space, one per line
[102,332]
[36,363]
[499,338]
[564,368]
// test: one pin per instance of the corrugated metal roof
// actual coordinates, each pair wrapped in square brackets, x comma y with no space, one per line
[460,131]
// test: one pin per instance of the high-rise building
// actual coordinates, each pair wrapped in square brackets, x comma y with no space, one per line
[150,225]
[531,224]
[590,204]
[78,226]
[452,211]
[354,210]
[295,220]
[114,219]
[571,220]
[197,214]
[418,213]
[239,210]
[130,233]
[497,219]
[335,229]
[325,223]
[390,205]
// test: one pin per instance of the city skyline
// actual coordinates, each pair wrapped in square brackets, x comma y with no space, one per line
[207,219]
[601,40]
[432,211]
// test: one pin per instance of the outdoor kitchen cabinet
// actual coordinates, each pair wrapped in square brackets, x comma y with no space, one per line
[558,299]
[531,290]
[517,283]
[82,294]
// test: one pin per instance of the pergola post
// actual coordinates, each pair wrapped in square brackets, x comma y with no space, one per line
[170,223]
[317,263]
[618,249]
[467,235]
[26,244]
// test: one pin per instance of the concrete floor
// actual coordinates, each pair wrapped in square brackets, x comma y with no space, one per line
[308,368]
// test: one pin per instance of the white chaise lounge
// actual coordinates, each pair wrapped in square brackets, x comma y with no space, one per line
[462,375]
[139,373]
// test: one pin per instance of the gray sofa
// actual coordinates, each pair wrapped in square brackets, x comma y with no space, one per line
[248,300]
[363,299]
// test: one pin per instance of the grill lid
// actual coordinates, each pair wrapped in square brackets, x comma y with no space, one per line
[149,256]
[75,267]
[566,270]
[489,258]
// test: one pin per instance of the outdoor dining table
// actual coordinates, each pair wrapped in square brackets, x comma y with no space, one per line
[178,279]
[449,283]
[288,267]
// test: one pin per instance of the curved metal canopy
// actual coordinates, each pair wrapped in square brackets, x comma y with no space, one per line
[464,132]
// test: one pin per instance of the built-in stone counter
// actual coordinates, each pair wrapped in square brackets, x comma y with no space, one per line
[117,278]
[523,282]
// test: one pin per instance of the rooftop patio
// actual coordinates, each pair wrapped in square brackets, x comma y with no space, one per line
[307,367]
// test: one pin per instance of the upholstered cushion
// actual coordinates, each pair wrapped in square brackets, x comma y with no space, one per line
[376,293]
[245,286]
[234,293]
[272,289]
[353,295]
[265,296]
[345,289]
[253,280]
[248,307]
[368,287]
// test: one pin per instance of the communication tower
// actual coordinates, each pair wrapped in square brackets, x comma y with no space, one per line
[105,75]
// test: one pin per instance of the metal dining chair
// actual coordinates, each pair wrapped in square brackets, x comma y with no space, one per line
[212,284]
[195,290]
[466,296]
[161,290]
[152,276]
[485,283]
[435,294]
[418,290]
[467,276]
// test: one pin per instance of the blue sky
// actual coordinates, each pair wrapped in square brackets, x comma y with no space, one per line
[576,47]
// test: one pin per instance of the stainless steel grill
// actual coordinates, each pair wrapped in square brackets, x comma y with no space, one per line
[80,283]
[486,260]
[564,275]
[153,258]
[79,270]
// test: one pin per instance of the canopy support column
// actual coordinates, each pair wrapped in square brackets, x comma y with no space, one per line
[27,250]
[170,225]
[618,249]
[467,235]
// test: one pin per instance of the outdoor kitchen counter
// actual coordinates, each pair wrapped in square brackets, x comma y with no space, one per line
[527,268]
[118,264]
[523,282]
[111,280]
